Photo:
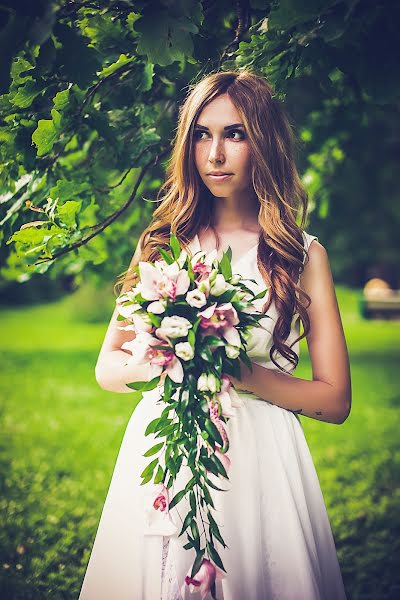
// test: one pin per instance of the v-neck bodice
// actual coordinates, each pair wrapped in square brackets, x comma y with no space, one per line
[247,254]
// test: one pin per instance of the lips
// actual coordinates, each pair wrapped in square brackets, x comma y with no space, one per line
[219,173]
[221,177]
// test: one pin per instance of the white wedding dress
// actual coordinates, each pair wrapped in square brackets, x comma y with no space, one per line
[273,517]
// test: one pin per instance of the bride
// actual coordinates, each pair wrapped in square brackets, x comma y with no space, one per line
[232,181]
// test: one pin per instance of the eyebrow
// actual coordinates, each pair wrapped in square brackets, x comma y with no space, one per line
[227,128]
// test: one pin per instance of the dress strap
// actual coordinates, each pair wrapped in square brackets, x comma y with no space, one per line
[308,238]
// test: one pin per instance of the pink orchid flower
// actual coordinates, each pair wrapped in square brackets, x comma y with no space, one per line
[163,362]
[203,269]
[203,580]
[162,500]
[221,319]
[167,282]
[213,408]
[158,520]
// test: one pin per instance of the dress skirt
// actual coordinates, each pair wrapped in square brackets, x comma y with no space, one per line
[272,517]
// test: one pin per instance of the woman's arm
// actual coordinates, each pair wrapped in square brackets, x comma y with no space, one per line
[111,373]
[328,396]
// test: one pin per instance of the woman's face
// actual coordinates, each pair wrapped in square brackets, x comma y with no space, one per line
[220,144]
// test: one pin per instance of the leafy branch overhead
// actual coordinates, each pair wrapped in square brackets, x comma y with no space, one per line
[90,93]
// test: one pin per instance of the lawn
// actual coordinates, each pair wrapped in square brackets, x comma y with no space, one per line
[61,434]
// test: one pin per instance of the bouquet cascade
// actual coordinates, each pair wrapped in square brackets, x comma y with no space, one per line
[191,318]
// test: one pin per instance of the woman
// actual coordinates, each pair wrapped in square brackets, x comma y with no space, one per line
[232,181]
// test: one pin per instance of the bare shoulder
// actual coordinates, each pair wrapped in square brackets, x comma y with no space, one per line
[317,271]
[317,281]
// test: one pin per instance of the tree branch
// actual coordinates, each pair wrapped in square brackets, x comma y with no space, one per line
[243,12]
[99,227]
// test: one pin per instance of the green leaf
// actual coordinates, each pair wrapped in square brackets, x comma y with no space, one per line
[213,340]
[168,388]
[190,484]
[152,426]
[159,475]
[177,498]
[68,212]
[56,116]
[244,358]
[289,13]
[147,479]
[147,78]
[175,247]
[225,264]
[215,529]
[191,544]
[192,338]
[150,468]
[167,257]
[170,464]
[261,294]
[184,399]
[164,38]
[195,533]
[213,431]
[206,354]
[195,530]
[192,500]
[215,556]
[26,94]
[154,449]
[207,497]
[19,67]
[66,189]
[219,466]
[186,523]
[210,466]
[121,62]
[44,136]
[61,100]
[169,429]
[144,386]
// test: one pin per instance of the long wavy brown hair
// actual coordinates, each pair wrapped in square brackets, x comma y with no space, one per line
[186,204]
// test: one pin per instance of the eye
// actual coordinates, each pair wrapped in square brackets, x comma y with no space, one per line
[240,132]
[197,134]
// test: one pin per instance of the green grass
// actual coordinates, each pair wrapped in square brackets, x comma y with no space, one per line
[61,434]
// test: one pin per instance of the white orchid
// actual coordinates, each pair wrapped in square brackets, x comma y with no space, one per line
[157,307]
[184,350]
[207,382]
[173,327]
[196,298]
[219,285]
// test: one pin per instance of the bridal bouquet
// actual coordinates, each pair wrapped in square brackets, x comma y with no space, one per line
[191,319]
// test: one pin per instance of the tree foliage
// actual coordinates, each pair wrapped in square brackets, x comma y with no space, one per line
[90,92]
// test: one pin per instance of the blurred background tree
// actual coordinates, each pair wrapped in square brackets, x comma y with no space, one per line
[90,92]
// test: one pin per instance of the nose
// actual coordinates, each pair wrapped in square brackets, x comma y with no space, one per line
[216,151]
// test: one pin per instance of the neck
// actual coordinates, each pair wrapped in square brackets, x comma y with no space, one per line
[235,213]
